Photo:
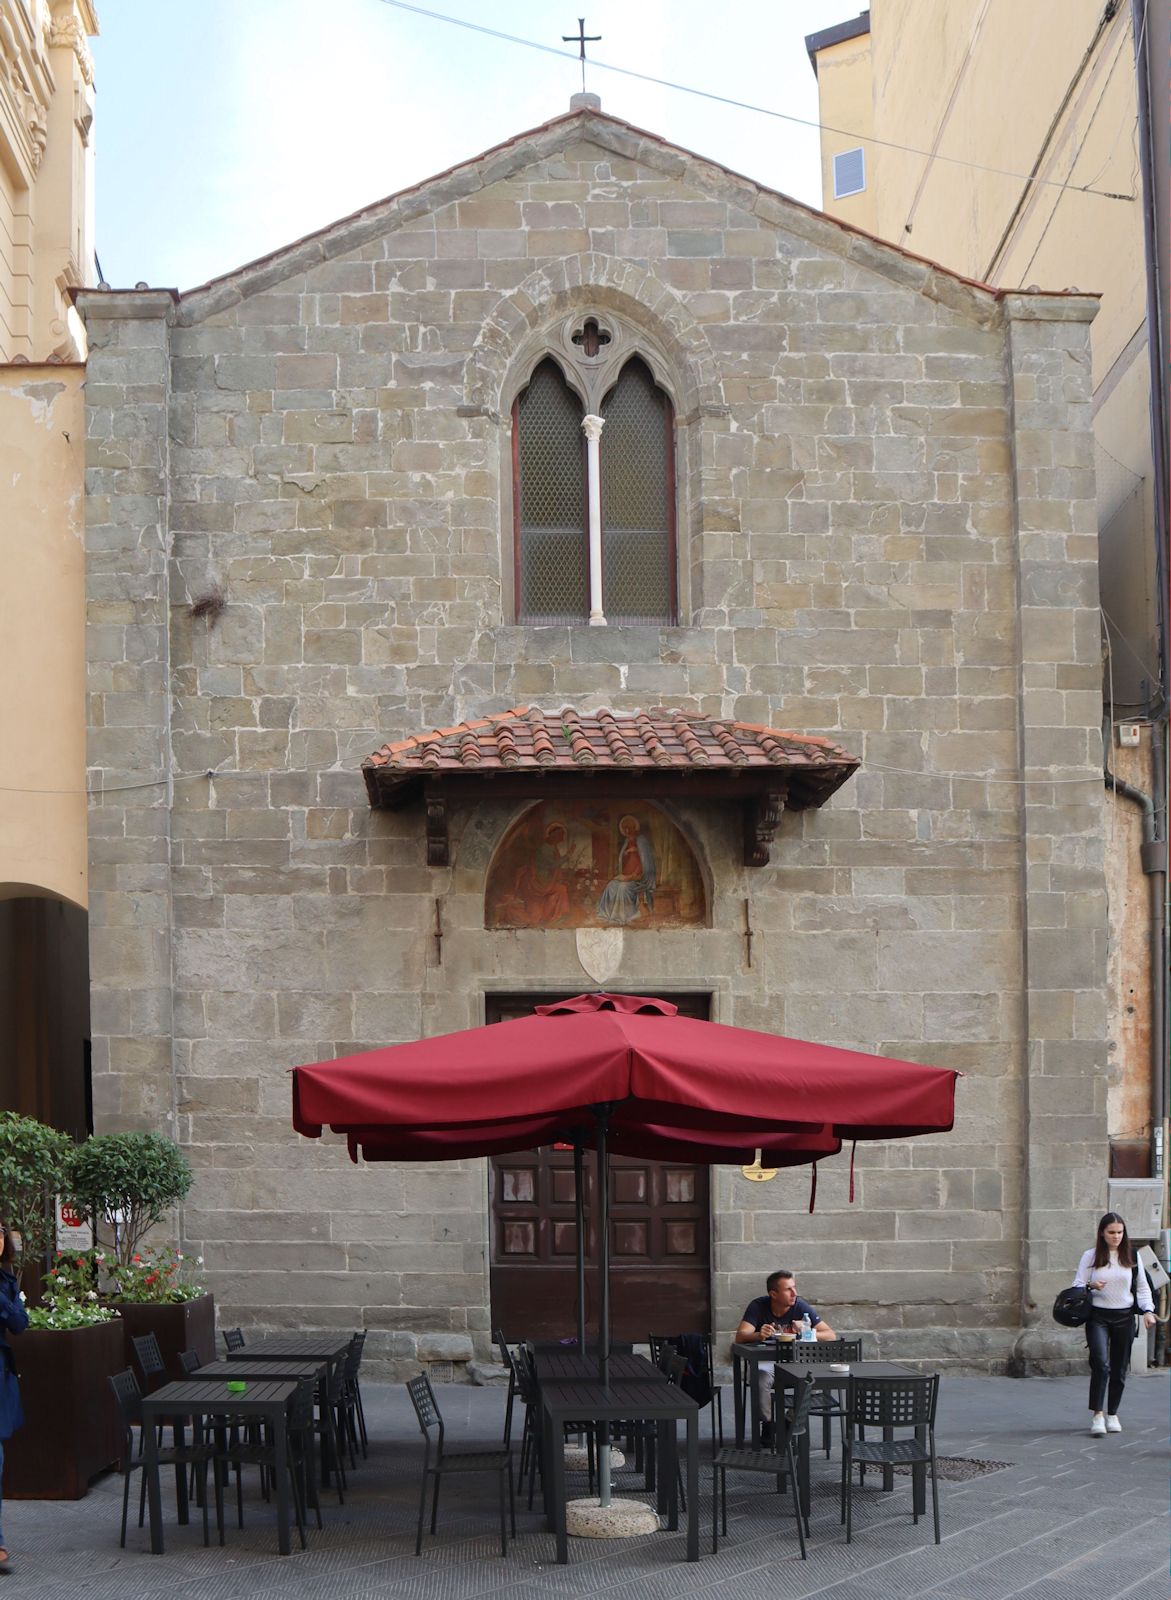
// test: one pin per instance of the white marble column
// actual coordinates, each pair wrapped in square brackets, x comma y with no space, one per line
[592,428]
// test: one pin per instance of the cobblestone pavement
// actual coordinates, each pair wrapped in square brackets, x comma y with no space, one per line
[1071,1517]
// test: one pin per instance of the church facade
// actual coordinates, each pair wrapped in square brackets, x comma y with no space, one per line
[445,570]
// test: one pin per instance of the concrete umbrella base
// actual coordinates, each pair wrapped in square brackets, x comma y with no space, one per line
[577,1459]
[621,1519]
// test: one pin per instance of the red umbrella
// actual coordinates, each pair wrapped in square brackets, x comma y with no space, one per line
[623,1071]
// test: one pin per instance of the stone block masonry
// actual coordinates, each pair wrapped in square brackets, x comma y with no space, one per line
[875,542]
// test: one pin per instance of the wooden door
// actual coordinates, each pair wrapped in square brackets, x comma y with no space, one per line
[659,1233]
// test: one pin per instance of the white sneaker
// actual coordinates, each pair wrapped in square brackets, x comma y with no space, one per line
[1113,1425]
[1098,1427]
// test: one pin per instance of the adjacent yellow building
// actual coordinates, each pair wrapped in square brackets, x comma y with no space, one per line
[46,249]
[1011,143]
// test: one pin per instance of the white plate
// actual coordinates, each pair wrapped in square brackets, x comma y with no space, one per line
[838,1366]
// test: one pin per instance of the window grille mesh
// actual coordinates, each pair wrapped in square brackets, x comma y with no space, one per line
[554,560]
[637,583]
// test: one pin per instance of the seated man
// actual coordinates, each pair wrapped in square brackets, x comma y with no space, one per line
[765,1317]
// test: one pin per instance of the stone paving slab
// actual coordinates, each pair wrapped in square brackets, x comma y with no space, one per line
[1070,1519]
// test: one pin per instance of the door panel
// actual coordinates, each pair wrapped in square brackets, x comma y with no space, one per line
[659,1234]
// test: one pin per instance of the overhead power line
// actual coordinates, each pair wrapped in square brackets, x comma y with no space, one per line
[746,105]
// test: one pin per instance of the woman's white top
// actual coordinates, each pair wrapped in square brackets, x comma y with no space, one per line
[1116,1295]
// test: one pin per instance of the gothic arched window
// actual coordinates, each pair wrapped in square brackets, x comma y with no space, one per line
[631,470]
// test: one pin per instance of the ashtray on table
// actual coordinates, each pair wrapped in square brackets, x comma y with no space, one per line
[839,1366]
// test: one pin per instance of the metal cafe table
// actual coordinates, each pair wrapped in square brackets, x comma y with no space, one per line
[746,1358]
[788,1374]
[622,1400]
[297,1347]
[266,1401]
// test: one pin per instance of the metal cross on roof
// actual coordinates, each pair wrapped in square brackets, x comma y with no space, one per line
[581,38]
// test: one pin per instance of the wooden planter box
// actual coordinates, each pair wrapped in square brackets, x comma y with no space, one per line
[71,1427]
[189,1326]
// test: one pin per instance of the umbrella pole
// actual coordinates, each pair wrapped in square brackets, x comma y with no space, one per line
[579,1215]
[603,1300]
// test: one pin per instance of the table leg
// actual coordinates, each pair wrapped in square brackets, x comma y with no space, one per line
[179,1434]
[667,1450]
[545,1456]
[738,1367]
[803,1467]
[754,1404]
[280,1450]
[693,1486]
[555,1487]
[919,1479]
[150,1439]
[888,1471]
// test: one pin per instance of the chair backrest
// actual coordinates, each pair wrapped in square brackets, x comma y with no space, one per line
[129,1398]
[661,1348]
[813,1352]
[851,1349]
[797,1416]
[426,1409]
[892,1402]
[233,1339]
[353,1359]
[526,1375]
[150,1359]
[300,1415]
[189,1361]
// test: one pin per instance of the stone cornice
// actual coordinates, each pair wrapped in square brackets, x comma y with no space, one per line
[1069,306]
[123,305]
[68,32]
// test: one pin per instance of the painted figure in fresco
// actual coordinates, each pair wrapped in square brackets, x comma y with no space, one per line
[635,879]
[541,885]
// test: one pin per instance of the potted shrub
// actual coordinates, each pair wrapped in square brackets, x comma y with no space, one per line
[127,1183]
[33,1158]
[72,1343]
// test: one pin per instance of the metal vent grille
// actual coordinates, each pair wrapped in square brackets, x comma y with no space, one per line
[554,566]
[849,173]
[441,1371]
[636,575]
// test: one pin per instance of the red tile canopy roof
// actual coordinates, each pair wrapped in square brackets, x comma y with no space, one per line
[529,751]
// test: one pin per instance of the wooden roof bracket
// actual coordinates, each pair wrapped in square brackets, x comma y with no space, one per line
[762,813]
[438,848]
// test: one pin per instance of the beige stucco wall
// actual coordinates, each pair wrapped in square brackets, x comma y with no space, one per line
[1002,86]
[845,74]
[46,109]
[42,632]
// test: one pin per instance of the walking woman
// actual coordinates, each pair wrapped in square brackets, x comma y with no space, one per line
[13,1319]
[1114,1274]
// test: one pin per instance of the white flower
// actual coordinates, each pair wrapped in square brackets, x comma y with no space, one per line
[199,1261]
[178,1255]
[22,1298]
[92,1294]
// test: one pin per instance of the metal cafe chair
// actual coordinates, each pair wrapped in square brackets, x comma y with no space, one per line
[661,1348]
[826,1403]
[890,1404]
[437,1460]
[128,1397]
[777,1462]
[233,1339]
[150,1361]
[258,1449]
[354,1411]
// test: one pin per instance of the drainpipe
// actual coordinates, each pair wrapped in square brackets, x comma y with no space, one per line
[1153,856]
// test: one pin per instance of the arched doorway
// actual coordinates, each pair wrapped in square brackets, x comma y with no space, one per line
[44,1010]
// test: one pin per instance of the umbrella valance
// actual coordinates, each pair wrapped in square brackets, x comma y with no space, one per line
[519,1084]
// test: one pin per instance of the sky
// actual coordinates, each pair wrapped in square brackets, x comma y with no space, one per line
[225,129]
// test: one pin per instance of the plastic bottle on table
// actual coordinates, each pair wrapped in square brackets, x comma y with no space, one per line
[806,1330]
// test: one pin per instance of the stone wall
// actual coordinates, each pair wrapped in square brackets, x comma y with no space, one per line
[883,537]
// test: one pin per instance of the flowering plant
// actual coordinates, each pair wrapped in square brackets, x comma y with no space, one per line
[152,1277]
[70,1298]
